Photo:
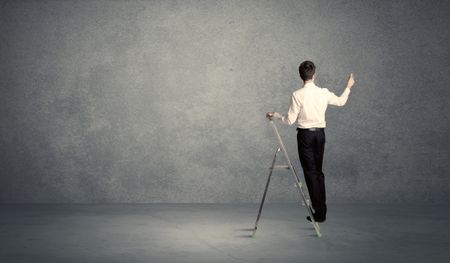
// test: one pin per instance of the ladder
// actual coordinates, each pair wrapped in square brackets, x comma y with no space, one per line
[298,184]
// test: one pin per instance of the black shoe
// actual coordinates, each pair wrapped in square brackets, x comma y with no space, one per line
[318,221]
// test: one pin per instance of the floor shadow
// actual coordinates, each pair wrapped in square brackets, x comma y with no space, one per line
[244,236]
[307,228]
[244,229]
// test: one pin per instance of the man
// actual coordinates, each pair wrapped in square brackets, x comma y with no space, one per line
[307,109]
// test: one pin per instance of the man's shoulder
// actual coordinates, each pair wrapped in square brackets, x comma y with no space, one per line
[320,88]
[298,93]
[324,90]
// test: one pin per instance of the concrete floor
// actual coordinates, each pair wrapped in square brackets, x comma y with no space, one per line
[220,233]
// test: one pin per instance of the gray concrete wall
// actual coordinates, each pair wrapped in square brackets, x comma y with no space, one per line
[164,101]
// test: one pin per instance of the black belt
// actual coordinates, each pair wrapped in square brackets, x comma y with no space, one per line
[310,129]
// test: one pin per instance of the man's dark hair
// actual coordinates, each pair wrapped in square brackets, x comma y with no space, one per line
[307,70]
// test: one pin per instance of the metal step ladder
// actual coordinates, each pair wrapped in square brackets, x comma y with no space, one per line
[298,184]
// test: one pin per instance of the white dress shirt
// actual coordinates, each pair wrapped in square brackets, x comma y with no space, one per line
[308,105]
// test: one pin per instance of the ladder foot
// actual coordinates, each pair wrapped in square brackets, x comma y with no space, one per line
[254,232]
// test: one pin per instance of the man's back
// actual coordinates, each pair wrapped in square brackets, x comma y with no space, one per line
[309,104]
[314,102]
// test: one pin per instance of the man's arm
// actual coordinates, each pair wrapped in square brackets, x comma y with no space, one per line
[341,100]
[291,117]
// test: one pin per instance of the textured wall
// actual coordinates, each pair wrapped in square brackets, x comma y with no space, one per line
[164,101]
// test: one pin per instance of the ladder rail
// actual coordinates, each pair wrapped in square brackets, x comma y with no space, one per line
[296,178]
[272,167]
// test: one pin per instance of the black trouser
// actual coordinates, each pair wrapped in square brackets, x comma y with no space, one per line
[311,145]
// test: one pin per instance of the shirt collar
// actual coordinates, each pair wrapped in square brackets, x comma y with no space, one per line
[309,84]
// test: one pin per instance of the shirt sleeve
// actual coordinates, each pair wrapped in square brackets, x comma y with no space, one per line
[293,111]
[338,101]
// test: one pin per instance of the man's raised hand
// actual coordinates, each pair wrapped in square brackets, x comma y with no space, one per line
[351,81]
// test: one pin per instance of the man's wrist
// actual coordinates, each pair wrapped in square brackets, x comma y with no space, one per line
[276,115]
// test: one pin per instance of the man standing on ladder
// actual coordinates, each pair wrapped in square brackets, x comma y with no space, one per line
[307,109]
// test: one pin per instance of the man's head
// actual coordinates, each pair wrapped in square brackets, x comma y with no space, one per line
[307,70]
